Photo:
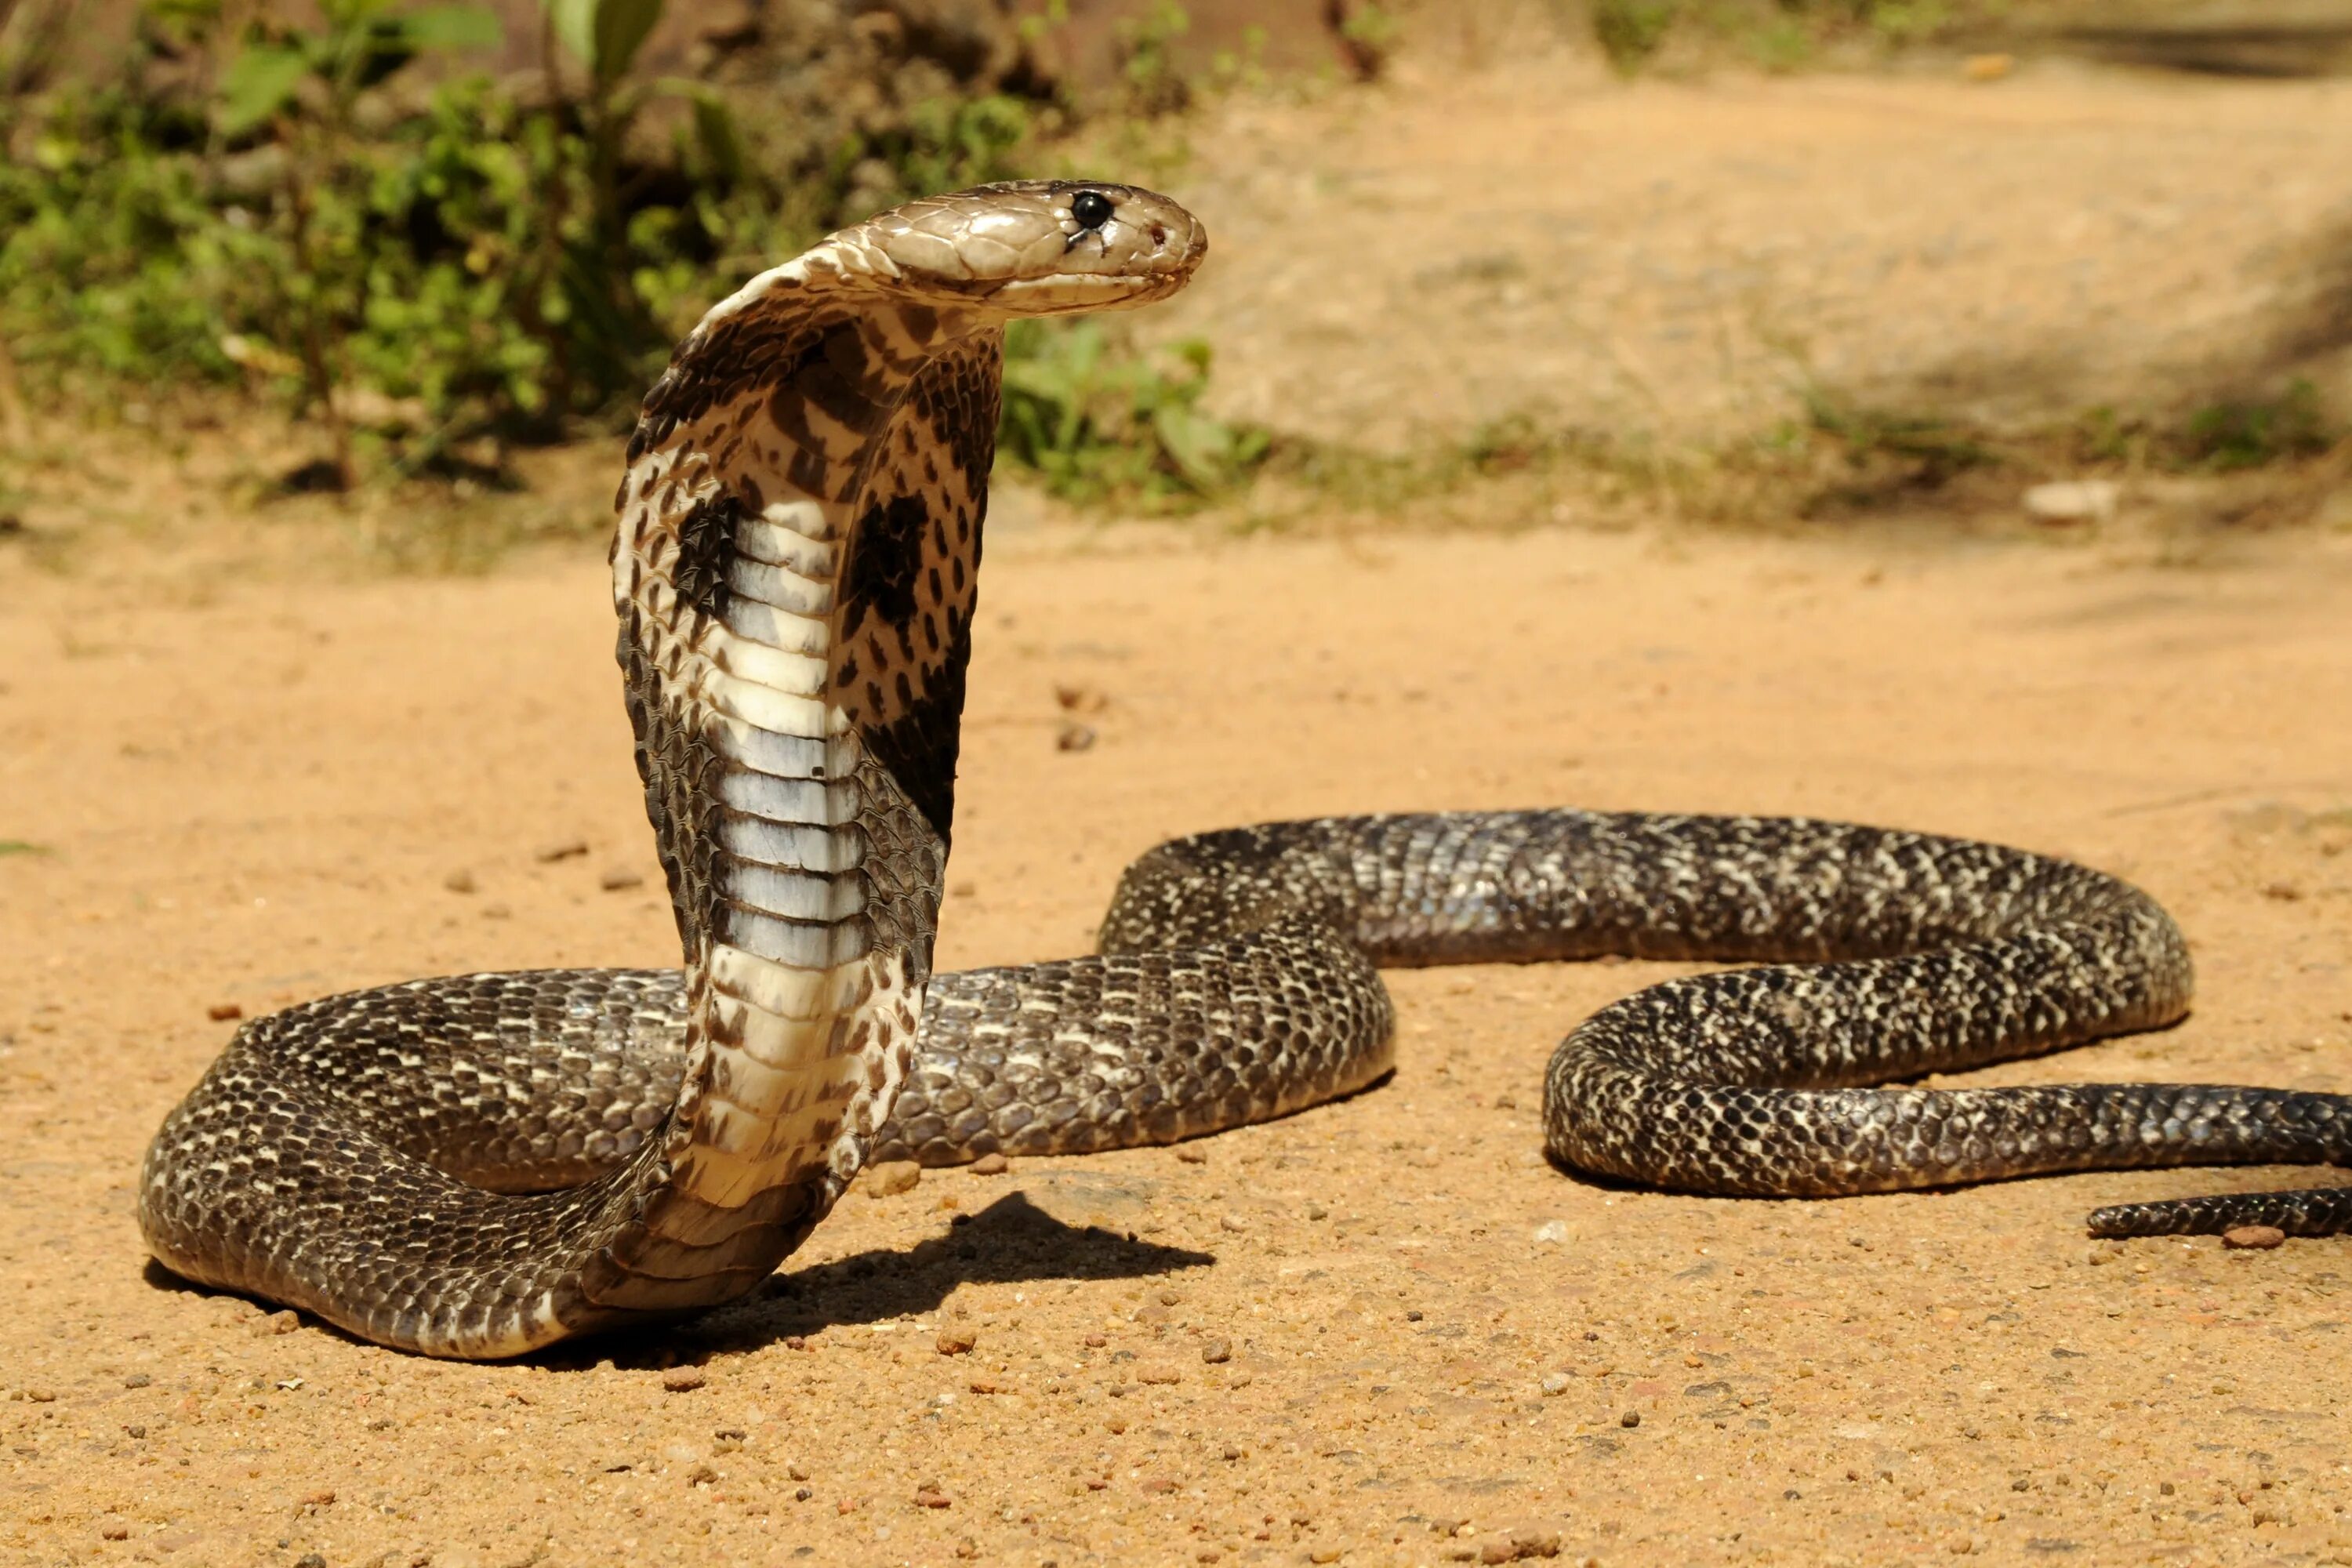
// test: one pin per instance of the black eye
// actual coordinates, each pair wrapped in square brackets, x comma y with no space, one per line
[1091,208]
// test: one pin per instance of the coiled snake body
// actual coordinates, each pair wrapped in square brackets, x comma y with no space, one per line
[476,1166]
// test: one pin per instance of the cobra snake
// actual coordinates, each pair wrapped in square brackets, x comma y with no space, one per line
[480,1165]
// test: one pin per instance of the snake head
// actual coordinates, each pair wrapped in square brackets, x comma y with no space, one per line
[1040,248]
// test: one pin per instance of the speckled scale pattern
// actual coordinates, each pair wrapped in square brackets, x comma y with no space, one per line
[480,1165]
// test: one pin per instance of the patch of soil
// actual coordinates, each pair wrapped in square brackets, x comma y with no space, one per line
[1384,1331]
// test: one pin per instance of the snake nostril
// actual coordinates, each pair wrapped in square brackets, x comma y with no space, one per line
[1159,237]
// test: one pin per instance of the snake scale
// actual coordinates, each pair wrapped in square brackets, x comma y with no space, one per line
[480,1165]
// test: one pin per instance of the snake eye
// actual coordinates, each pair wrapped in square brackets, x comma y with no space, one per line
[1091,208]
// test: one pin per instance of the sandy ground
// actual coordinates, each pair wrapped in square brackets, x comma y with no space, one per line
[1687,260]
[1323,1340]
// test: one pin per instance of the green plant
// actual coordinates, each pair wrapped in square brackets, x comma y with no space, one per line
[2244,434]
[1632,31]
[1151,80]
[1092,422]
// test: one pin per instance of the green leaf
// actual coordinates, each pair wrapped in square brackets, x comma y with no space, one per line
[714,128]
[605,34]
[256,85]
[454,27]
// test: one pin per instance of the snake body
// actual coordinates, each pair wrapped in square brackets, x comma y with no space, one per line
[480,1165]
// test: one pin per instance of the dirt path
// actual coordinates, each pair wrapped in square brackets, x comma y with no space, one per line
[1681,260]
[265,796]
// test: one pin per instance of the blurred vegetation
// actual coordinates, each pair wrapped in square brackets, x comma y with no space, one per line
[1774,34]
[429,266]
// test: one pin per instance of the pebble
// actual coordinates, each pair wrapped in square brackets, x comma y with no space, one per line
[1075,737]
[620,880]
[891,1177]
[1158,1375]
[1553,1231]
[221,1012]
[137,1379]
[1193,1154]
[683,1379]
[113,1527]
[559,850]
[1631,1418]
[1324,1554]
[2253,1238]
[1555,1383]
[1504,1102]
[310,1560]
[459,881]
[1232,1222]
[2072,501]
[990,1165]
[702,1474]
[1216,1352]
[931,1497]
[1096,1341]
[279,1323]
[1317,1211]
[957,1342]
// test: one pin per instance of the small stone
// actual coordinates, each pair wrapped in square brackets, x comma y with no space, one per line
[620,880]
[1535,1542]
[136,1429]
[310,1560]
[990,1165]
[891,1177]
[1324,1554]
[1080,699]
[1232,1223]
[957,1342]
[1216,1352]
[1231,1452]
[682,1379]
[1317,1211]
[1192,1155]
[1096,1341]
[2253,1238]
[931,1497]
[2281,892]
[1504,1102]
[1631,1418]
[1556,1384]
[221,1012]
[282,1322]
[320,1499]
[702,1474]
[801,1494]
[113,1527]
[559,850]
[1551,1233]
[1075,737]
[797,1471]
[459,881]
[1158,1375]
[2072,501]
[1498,1551]
[137,1379]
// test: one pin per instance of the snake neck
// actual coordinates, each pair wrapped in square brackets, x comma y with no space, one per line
[794,573]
